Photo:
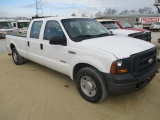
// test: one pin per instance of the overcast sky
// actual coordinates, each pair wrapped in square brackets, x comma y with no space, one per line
[26,8]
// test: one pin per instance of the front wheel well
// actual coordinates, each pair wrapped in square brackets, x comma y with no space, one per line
[12,46]
[78,67]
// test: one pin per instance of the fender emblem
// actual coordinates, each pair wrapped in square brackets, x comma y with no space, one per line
[150,60]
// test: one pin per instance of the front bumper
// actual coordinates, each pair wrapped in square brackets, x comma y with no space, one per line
[126,83]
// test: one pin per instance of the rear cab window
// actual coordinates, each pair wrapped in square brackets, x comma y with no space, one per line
[35,29]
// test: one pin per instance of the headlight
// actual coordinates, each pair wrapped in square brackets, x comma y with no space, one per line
[120,66]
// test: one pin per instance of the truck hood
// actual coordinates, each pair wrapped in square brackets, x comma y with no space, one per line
[119,46]
[137,29]
[122,32]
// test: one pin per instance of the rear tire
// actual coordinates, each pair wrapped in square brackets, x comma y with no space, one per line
[18,60]
[91,85]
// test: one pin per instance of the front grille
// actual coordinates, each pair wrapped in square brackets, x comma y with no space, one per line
[143,62]
[143,36]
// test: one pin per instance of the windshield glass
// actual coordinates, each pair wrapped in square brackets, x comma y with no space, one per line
[23,24]
[158,23]
[80,29]
[125,24]
[5,25]
[110,24]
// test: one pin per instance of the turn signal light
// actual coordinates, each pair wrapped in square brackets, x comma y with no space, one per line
[122,71]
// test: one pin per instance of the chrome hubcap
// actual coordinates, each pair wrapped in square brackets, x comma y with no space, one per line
[15,57]
[88,86]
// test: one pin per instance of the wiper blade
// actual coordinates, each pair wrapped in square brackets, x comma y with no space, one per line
[85,36]
[104,34]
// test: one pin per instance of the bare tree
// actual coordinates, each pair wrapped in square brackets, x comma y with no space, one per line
[141,11]
[146,10]
[110,11]
[73,14]
[133,11]
[84,15]
[99,14]
[124,12]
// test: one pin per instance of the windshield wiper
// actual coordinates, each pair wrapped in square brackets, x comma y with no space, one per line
[103,34]
[128,27]
[85,36]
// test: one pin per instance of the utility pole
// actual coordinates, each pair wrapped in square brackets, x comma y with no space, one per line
[157,4]
[39,10]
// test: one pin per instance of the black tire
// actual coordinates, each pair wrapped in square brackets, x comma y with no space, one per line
[18,60]
[91,85]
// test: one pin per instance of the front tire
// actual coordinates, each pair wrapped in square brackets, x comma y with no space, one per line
[18,60]
[91,85]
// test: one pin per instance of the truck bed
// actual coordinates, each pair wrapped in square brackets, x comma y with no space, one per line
[17,34]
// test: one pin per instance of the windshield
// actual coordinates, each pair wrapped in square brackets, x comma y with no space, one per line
[5,25]
[23,24]
[125,24]
[109,24]
[158,23]
[80,29]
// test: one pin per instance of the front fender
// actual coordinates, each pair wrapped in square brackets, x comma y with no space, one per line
[91,61]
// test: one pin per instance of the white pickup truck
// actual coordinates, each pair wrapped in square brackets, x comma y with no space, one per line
[83,49]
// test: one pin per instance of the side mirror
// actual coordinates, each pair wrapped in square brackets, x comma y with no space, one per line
[56,40]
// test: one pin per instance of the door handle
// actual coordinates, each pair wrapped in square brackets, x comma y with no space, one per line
[41,46]
[28,43]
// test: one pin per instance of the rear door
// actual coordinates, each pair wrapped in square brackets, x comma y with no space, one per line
[33,42]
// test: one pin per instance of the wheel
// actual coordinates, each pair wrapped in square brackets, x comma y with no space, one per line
[18,60]
[91,85]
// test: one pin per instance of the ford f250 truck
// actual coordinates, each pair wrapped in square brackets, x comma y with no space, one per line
[83,49]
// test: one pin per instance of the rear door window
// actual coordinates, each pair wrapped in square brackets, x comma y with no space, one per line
[35,30]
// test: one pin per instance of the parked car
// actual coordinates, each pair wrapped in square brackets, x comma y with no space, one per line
[155,26]
[116,28]
[138,25]
[5,28]
[85,50]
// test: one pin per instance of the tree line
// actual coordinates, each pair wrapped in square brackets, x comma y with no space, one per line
[111,11]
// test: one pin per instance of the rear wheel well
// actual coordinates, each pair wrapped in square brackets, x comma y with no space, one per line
[12,46]
[78,67]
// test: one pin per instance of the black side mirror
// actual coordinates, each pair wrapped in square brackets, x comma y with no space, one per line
[56,40]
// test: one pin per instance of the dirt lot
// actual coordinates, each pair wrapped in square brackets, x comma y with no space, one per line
[34,92]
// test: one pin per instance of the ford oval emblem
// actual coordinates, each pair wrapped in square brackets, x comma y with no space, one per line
[150,60]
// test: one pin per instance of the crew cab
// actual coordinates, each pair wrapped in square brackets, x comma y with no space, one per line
[85,50]
[119,24]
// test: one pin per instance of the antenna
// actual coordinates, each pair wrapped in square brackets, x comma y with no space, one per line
[39,10]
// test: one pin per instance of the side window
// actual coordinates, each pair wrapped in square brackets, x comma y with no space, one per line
[35,30]
[52,29]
